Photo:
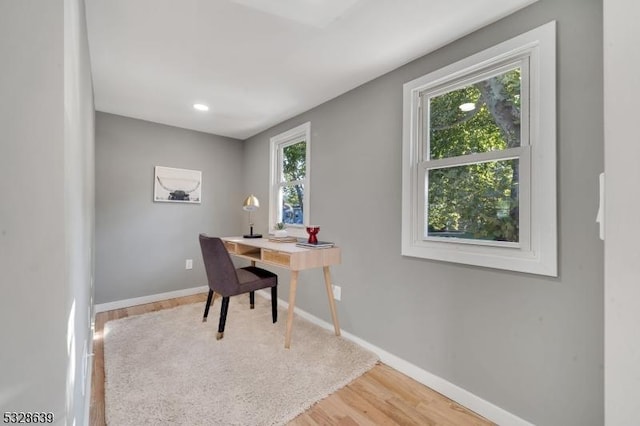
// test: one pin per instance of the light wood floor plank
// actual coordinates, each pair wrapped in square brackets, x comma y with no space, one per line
[384,401]
[359,408]
[380,397]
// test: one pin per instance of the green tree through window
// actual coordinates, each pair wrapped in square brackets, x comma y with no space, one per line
[294,170]
[475,200]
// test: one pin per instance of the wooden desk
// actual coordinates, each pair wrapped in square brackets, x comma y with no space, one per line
[293,258]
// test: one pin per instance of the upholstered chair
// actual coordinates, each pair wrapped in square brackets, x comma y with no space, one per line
[227,280]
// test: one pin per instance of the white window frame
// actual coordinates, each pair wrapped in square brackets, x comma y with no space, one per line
[536,250]
[277,143]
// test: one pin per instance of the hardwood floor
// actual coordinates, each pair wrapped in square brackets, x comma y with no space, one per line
[382,396]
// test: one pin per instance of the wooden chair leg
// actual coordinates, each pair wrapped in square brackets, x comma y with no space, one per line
[274,303]
[252,299]
[223,317]
[206,308]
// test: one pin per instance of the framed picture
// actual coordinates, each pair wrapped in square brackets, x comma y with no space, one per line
[177,185]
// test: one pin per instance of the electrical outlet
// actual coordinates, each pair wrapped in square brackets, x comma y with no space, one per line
[188,264]
[337,292]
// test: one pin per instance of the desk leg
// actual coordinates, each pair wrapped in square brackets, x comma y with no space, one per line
[292,303]
[332,303]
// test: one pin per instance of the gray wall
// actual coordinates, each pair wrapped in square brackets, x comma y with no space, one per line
[46,216]
[529,344]
[141,245]
[622,253]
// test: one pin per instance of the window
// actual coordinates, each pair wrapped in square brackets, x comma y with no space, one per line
[479,172]
[289,196]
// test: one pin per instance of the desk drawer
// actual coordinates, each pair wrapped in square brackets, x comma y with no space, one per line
[277,257]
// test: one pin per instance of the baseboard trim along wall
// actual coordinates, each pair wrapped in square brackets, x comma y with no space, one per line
[461,396]
[118,304]
[448,389]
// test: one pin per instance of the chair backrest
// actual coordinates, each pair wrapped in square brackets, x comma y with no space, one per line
[221,273]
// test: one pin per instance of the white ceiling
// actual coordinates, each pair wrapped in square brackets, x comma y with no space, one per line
[259,62]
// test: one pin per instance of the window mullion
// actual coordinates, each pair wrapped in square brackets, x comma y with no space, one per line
[291,183]
[482,157]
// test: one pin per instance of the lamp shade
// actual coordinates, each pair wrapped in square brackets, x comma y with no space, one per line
[251,203]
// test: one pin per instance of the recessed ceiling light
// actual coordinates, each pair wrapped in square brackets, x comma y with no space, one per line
[201,107]
[469,106]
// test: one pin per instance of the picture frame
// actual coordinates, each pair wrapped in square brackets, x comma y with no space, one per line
[173,185]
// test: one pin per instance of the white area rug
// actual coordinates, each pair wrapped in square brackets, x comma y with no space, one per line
[167,367]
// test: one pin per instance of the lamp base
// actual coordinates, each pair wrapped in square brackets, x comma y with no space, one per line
[252,236]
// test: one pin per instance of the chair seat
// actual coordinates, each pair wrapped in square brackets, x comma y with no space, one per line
[252,278]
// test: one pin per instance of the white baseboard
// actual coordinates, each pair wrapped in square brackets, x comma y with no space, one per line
[102,307]
[461,396]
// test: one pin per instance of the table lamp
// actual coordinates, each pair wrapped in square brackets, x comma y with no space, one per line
[251,204]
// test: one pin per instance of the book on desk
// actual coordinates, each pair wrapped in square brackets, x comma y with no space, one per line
[283,239]
[302,242]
